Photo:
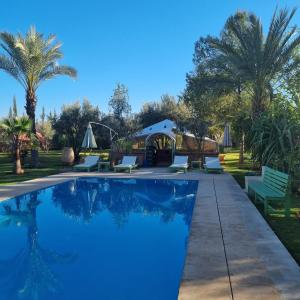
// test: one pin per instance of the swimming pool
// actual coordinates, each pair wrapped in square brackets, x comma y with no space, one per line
[94,238]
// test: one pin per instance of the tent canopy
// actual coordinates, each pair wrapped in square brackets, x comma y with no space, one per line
[168,128]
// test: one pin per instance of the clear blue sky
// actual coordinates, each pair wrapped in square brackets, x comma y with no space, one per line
[147,45]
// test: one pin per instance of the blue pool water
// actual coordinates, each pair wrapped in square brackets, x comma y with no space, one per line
[96,239]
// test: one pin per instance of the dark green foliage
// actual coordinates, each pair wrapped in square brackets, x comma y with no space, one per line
[167,108]
[124,127]
[275,138]
[119,102]
[13,110]
[71,124]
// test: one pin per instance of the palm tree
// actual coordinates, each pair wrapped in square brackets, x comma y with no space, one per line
[31,60]
[260,62]
[14,128]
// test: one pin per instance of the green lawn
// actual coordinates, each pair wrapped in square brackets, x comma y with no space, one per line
[50,163]
[231,165]
[287,229]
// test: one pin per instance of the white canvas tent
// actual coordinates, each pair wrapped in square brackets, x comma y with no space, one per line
[168,128]
[165,138]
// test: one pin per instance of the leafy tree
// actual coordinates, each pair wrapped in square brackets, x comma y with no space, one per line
[13,111]
[167,108]
[242,67]
[125,128]
[241,125]
[15,108]
[32,59]
[45,128]
[292,88]
[198,121]
[118,103]
[43,116]
[15,128]
[276,138]
[10,113]
[150,114]
[71,124]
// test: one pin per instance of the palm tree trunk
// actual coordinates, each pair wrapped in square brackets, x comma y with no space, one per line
[258,102]
[241,154]
[201,150]
[18,166]
[31,107]
[30,110]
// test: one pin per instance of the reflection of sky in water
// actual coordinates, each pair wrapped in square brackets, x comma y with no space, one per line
[96,239]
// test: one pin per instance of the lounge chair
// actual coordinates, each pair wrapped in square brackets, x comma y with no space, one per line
[128,163]
[90,162]
[180,163]
[212,164]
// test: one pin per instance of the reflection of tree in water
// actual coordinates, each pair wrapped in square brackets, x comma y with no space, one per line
[76,200]
[86,197]
[27,275]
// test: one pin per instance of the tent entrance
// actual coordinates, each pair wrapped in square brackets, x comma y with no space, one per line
[160,149]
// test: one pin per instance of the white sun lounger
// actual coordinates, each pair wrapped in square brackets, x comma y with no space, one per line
[212,164]
[128,163]
[180,163]
[90,162]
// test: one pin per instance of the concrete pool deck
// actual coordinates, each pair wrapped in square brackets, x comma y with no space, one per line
[232,252]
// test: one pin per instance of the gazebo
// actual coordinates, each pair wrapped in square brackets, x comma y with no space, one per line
[161,141]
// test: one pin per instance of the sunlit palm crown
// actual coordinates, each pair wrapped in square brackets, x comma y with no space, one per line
[32,59]
[16,125]
[254,56]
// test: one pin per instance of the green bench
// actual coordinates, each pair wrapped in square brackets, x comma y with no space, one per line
[274,186]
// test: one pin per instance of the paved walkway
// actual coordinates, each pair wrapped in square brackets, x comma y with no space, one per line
[232,252]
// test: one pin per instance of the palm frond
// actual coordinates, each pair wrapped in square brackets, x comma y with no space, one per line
[33,57]
[8,65]
[58,70]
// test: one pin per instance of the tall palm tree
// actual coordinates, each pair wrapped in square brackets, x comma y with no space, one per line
[32,59]
[15,128]
[260,62]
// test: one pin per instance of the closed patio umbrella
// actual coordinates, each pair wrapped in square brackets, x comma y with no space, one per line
[227,142]
[89,139]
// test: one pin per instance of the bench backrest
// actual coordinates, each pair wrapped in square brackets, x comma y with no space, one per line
[276,181]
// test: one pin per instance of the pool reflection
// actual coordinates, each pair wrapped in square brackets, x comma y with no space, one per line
[137,227]
[84,198]
[27,274]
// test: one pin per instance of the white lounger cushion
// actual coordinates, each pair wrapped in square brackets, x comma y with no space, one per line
[213,163]
[128,160]
[180,160]
[89,161]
